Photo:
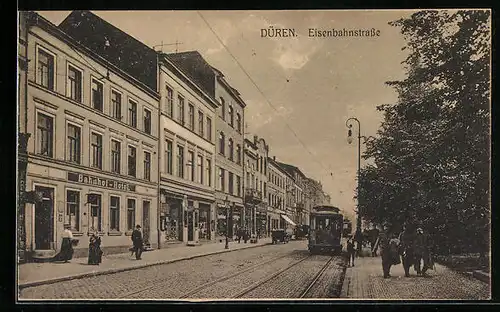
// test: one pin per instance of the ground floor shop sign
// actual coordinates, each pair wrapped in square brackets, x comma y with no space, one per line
[108,183]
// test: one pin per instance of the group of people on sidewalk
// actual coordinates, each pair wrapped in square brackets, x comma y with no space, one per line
[95,252]
[411,247]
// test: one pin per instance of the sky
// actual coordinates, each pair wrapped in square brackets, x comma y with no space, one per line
[309,85]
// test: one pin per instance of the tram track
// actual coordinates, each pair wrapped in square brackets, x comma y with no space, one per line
[304,293]
[204,285]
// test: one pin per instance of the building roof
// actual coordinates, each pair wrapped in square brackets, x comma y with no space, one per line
[201,72]
[193,65]
[276,164]
[291,169]
[122,50]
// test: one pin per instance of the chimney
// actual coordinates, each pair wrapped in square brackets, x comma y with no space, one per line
[254,139]
[274,158]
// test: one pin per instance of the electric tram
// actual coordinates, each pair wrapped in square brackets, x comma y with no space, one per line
[325,229]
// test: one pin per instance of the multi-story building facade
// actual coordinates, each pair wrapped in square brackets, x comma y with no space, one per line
[276,193]
[22,129]
[92,156]
[296,193]
[256,184]
[188,157]
[229,136]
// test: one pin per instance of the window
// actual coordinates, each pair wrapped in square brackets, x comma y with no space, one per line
[180,110]
[169,157]
[147,166]
[222,185]
[116,105]
[221,143]
[114,214]
[209,172]
[231,182]
[238,185]
[170,102]
[231,150]
[74,84]
[264,191]
[231,116]
[95,212]
[238,122]
[73,145]
[73,209]
[191,117]
[45,133]
[147,121]
[132,113]
[180,161]
[209,129]
[223,108]
[238,154]
[115,156]
[130,214]
[190,165]
[96,141]
[97,95]
[132,157]
[45,73]
[201,130]
[200,169]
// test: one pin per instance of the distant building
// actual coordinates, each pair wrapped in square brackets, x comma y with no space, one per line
[276,190]
[295,193]
[256,184]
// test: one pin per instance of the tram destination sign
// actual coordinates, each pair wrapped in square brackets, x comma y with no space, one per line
[92,180]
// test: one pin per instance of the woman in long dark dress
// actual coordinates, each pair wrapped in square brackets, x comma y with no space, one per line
[95,253]
[66,252]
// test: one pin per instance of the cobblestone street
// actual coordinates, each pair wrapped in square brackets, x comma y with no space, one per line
[365,281]
[175,280]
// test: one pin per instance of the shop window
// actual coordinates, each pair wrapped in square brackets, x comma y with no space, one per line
[95,212]
[130,214]
[73,210]
[114,214]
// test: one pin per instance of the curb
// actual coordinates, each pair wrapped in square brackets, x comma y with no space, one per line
[112,271]
[482,276]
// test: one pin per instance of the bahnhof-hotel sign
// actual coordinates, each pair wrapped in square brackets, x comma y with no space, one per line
[108,183]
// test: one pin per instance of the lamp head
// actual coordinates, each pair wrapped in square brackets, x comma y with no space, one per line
[349,136]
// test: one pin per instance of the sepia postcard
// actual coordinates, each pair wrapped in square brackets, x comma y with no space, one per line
[254,155]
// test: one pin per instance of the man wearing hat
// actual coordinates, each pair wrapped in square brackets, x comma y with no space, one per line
[421,252]
[137,240]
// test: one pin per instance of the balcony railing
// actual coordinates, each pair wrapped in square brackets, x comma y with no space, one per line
[253,195]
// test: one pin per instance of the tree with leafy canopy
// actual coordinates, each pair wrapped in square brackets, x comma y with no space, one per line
[432,153]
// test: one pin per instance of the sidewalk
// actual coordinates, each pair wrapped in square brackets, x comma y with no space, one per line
[32,274]
[365,281]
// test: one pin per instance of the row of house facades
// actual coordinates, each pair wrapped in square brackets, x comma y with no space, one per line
[113,134]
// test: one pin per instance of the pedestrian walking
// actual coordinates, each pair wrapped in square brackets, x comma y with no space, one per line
[407,250]
[385,251]
[351,251]
[137,241]
[422,252]
[95,252]
[66,252]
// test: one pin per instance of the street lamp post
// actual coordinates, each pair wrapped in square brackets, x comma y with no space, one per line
[226,203]
[348,124]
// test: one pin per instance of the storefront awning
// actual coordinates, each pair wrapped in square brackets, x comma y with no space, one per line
[287,219]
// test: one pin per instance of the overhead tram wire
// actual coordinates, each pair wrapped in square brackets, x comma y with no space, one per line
[260,91]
